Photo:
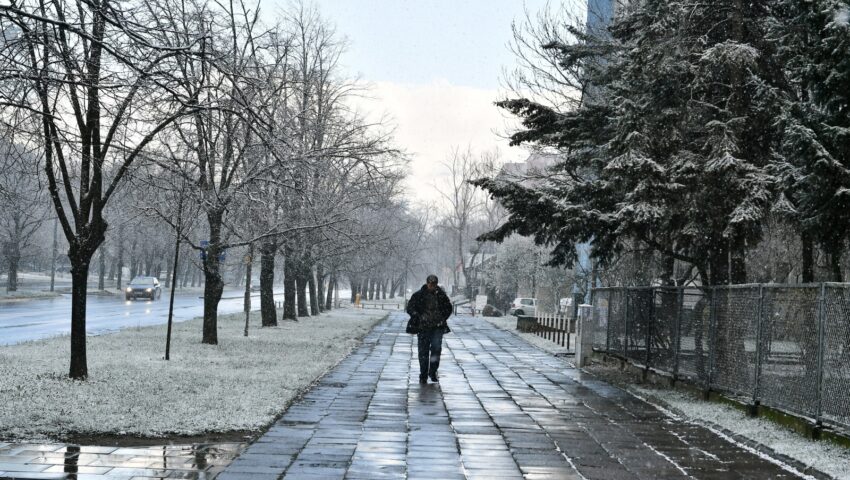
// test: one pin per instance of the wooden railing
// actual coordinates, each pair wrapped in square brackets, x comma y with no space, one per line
[553,327]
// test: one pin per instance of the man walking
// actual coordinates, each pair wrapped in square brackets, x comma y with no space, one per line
[431,307]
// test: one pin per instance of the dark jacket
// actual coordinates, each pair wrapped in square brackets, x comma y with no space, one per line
[418,308]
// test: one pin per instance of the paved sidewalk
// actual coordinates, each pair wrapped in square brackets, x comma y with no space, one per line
[503,409]
[75,462]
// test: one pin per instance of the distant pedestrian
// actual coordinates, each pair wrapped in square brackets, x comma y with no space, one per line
[430,308]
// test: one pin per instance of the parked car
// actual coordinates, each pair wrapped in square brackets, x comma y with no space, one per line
[523,306]
[143,287]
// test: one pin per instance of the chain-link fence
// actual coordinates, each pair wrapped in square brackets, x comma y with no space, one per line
[783,346]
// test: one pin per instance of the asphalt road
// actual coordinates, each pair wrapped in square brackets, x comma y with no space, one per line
[34,319]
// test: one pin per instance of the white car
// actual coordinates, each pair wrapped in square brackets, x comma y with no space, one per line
[523,306]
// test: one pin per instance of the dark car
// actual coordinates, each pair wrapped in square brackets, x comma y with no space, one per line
[143,287]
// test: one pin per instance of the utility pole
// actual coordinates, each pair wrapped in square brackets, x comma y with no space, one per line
[53,259]
[179,231]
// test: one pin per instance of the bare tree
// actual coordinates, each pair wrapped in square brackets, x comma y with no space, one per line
[88,69]
[25,203]
[465,206]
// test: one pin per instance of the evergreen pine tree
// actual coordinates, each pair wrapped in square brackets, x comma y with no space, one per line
[675,149]
[814,39]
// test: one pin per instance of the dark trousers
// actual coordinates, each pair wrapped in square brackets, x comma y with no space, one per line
[430,346]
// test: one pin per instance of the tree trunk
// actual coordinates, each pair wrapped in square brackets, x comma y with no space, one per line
[808,255]
[240,276]
[267,257]
[111,275]
[314,291]
[80,257]
[289,287]
[719,264]
[13,257]
[329,300]
[54,254]
[835,265]
[668,272]
[172,269]
[79,289]
[214,285]
[301,289]
[320,283]
[119,269]
[739,267]
[384,289]
[354,287]
[101,277]
[393,287]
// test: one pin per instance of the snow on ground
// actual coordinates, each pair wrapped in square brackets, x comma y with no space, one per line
[824,456]
[508,323]
[394,301]
[23,294]
[242,383]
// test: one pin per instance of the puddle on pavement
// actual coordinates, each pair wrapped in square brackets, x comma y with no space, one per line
[78,462]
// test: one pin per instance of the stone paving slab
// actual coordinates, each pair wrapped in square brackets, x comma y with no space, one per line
[502,410]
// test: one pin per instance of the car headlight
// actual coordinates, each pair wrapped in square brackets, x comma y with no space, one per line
[149,290]
[129,289]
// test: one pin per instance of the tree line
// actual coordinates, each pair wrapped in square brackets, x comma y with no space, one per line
[151,128]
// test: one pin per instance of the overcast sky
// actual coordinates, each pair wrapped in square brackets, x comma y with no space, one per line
[435,68]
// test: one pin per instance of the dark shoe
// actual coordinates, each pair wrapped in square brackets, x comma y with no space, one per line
[434,377]
[423,379]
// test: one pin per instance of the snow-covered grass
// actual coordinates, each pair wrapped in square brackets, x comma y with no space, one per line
[396,300]
[242,383]
[823,456]
[24,294]
[508,323]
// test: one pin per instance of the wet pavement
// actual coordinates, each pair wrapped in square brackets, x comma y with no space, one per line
[502,410]
[48,461]
[35,319]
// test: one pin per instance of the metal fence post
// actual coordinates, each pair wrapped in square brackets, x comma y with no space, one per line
[712,337]
[649,329]
[677,331]
[607,324]
[821,335]
[626,325]
[759,330]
